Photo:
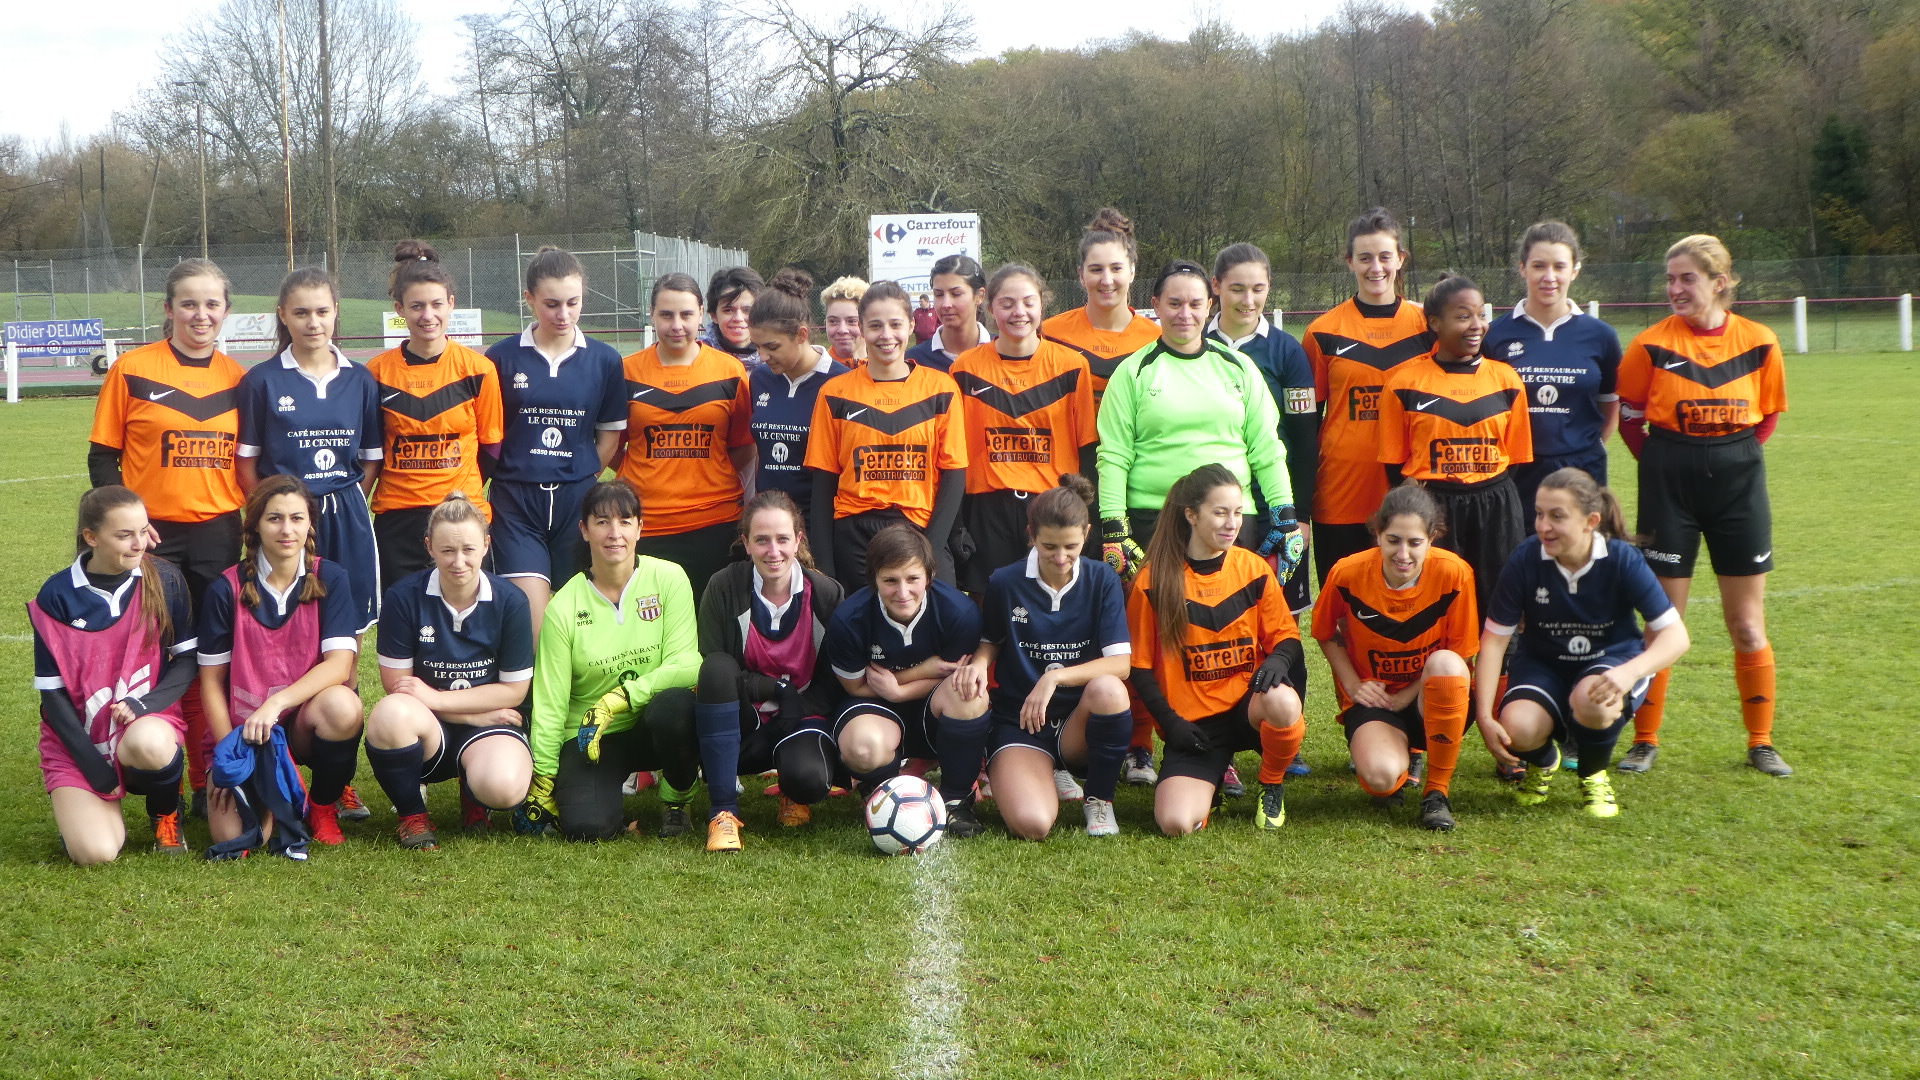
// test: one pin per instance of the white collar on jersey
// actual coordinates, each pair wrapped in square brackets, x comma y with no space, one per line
[1573,309]
[1598,552]
[340,363]
[796,581]
[1259,330]
[77,577]
[483,595]
[906,632]
[262,570]
[1033,571]
[579,342]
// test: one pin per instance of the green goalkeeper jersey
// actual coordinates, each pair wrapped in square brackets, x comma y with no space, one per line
[588,646]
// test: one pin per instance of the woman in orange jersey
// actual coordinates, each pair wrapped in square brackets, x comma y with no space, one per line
[441,405]
[841,303]
[1458,424]
[1399,626]
[1107,330]
[888,446]
[1029,414]
[166,425]
[1351,348]
[1700,392]
[1216,654]
[688,437]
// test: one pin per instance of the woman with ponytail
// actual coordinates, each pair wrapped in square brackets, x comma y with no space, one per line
[1106,330]
[112,634]
[783,389]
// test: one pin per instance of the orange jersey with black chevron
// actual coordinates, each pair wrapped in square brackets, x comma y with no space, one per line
[1705,385]
[437,416]
[176,424]
[1464,423]
[683,423]
[1389,633]
[1103,349]
[888,441]
[1236,617]
[1351,354]
[1026,418]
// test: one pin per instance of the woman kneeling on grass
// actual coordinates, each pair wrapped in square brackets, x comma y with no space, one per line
[111,638]
[765,688]
[1398,623]
[613,688]
[1583,666]
[1054,632]
[1216,656]
[456,657]
[278,643]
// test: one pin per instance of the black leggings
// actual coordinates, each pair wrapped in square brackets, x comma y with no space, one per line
[793,741]
[588,792]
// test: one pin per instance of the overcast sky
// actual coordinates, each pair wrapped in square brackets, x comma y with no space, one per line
[75,66]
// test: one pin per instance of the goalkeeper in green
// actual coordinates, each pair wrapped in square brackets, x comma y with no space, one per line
[613,682]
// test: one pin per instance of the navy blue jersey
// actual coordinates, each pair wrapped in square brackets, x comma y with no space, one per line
[72,598]
[554,410]
[1038,629]
[1569,370]
[453,650]
[340,618]
[782,416]
[933,353]
[861,632]
[1578,616]
[319,430]
[1283,362]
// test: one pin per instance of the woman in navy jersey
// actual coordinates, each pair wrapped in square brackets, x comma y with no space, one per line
[564,400]
[1054,633]
[731,294]
[959,293]
[312,414]
[456,659]
[1583,664]
[783,389]
[112,634]
[892,645]
[765,687]
[278,643]
[1567,359]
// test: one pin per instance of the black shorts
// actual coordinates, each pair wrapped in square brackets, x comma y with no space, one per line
[1331,543]
[1691,488]
[996,523]
[201,549]
[1006,730]
[851,535]
[1527,477]
[1550,686]
[454,740]
[401,538]
[1409,721]
[702,553]
[914,718]
[1230,732]
[1484,524]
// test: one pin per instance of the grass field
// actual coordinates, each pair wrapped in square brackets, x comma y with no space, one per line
[1726,924]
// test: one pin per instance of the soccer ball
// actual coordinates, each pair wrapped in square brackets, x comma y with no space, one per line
[905,816]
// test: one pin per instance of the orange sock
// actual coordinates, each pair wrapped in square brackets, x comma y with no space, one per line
[1444,706]
[1278,748]
[1646,718]
[1397,785]
[1142,728]
[1753,674]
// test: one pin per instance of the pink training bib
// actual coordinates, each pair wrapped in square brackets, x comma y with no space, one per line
[793,656]
[99,668]
[265,661]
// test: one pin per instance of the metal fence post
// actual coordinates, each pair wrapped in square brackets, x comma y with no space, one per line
[1906,322]
[1800,324]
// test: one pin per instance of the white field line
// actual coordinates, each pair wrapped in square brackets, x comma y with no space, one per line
[1830,590]
[933,997]
[15,638]
[37,479]
[1857,439]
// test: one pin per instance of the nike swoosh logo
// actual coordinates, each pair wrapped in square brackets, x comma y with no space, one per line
[389,397]
[1369,615]
[158,394]
[1345,351]
[1426,403]
[977,392]
[1674,364]
[1763,556]
[855,413]
[643,390]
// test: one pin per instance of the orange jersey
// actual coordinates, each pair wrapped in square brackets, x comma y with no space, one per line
[682,425]
[1026,419]
[1104,349]
[1236,617]
[1462,423]
[1351,355]
[888,441]
[437,416]
[1705,385]
[176,424]
[1389,633]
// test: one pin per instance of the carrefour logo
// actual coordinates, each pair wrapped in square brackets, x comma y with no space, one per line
[890,233]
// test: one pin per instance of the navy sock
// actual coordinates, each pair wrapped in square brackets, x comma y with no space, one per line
[961,744]
[399,774]
[333,762]
[1543,755]
[1107,735]
[161,786]
[1596,746]
[718,726]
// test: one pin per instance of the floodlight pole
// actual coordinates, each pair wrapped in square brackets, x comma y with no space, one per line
[200,134]
[326,144]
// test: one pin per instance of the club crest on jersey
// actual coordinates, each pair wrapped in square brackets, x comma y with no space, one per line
[647,607]
[1540,595]
[1019,615]
[285,404]
[519,380]
[426,632]
[1299,399]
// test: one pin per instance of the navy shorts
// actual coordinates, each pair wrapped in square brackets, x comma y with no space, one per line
[343,532]
[536,529]
[1007,731]
[1690,488]
[454,740]
[914,718]
[1550,686]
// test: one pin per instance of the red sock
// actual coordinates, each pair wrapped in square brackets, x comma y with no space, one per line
[1753,674]
[1646,718]
[1278,748]
[199,741]
[1444,706]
